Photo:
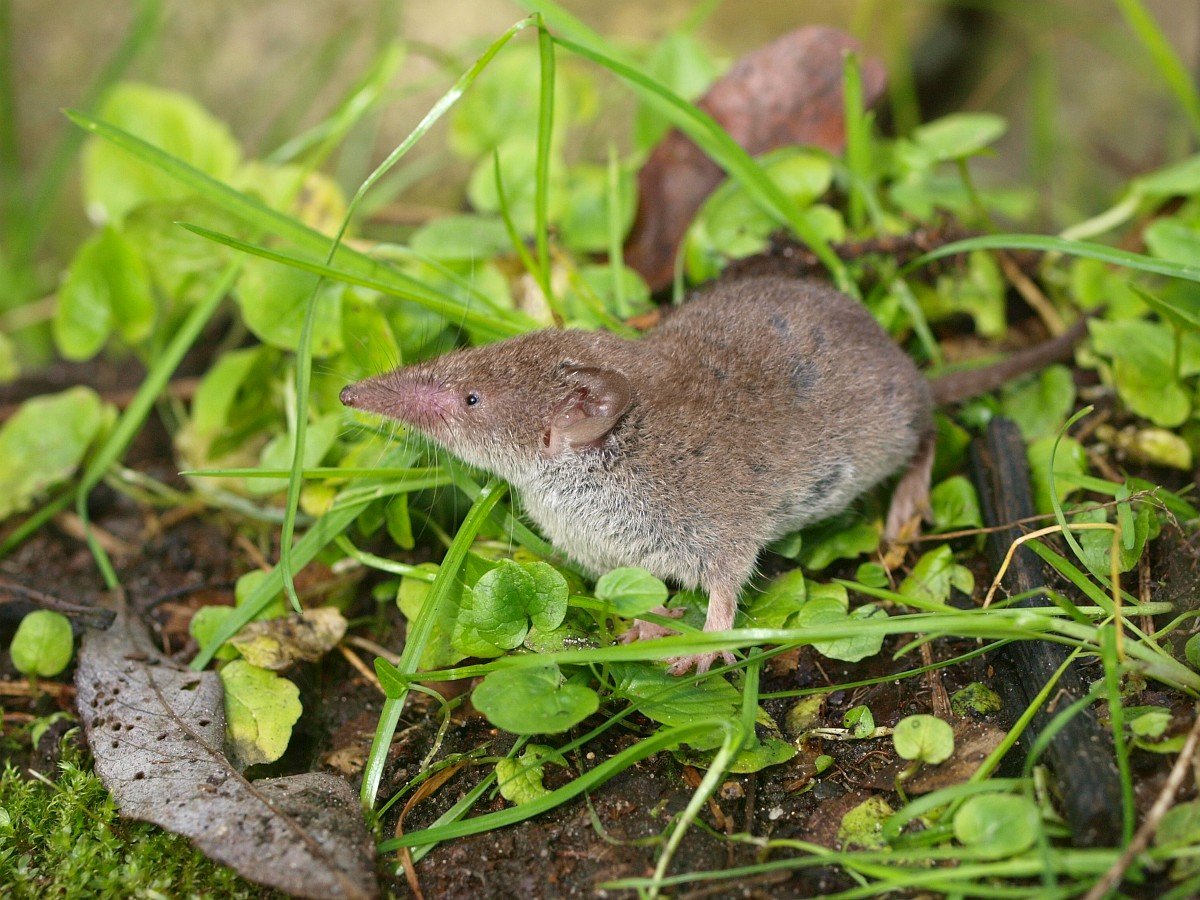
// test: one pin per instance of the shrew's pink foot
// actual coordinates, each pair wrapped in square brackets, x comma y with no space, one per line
[642,630]
[701,662]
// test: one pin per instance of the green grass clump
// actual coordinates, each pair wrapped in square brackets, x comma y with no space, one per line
[67,840]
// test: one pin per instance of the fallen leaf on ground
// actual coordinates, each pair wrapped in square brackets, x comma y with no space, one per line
[276,644]
[787,92]
[157,733]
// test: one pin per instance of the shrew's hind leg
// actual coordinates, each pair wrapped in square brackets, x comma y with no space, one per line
[910,502]
[723,588]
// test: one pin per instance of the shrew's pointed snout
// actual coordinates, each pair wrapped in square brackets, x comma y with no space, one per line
[400,395]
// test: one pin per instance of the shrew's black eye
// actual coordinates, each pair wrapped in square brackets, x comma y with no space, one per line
[472,399]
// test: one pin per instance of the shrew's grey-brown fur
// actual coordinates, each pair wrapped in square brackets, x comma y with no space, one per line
[757,408]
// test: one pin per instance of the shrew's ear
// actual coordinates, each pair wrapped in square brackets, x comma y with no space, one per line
[595,401]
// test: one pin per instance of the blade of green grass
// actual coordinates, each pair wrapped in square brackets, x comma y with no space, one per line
[304,348]
[1116,715]
[35,521]
[363,97]
[1171,69]
[663,739]
[384,279]
[261,218]
[315,473]
[1049,244]
[858,137]
[734,740]
[616,240]
[418,635]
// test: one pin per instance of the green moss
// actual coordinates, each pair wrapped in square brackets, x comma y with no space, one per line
[66,840]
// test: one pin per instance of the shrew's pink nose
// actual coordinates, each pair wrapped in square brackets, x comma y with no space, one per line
[411,400]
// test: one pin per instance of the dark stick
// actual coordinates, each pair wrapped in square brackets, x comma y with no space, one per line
[1081,754]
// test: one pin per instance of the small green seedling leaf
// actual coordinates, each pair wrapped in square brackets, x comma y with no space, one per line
[534,701]
[826,543]
[924,738]
[782,599]
[1041,403]
[827,605]
[1146,369]
[115,182]
[872,574]
[859,722]
[43,442]
[997,825]
[520,780]
[107,287]
[955,506]
[206,622]
[631,591]
[1180,827]
[959,135]
[260,710]
[43,644]
[667,701]
[863,825]
[934,575]
[1152,723]
[1191,651]
[975,698]
[760,754]
[496,612]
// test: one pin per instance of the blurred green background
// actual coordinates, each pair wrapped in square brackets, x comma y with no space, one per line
[1085,108]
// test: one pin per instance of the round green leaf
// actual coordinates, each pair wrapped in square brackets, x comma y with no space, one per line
[631,591]
[1191,650]
[273,299]
[43,644]
[959,135]
[859,721]
[114,182]
[997,825]
[533,701]
[465,238]
[206,622]
[42,443]
[924,738]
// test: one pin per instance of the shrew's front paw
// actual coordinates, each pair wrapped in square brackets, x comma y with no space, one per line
[701,662]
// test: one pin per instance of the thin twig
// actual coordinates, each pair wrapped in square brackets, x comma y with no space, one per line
[360,667]
[372,647]
[114,546]
[1162,804]
[1114,572]
[1032,294]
